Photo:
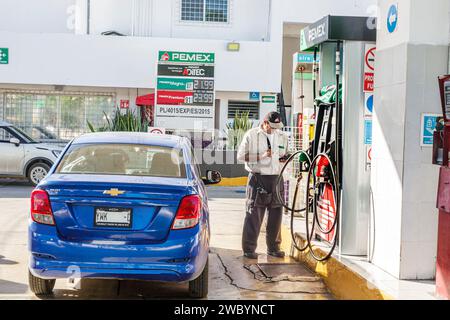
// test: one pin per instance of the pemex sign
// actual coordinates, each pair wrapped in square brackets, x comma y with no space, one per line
[185,91]
[186,57]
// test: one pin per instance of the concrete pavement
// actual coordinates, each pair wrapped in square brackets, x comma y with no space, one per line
[230,277]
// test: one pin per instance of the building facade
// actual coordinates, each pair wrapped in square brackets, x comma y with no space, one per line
[74,61]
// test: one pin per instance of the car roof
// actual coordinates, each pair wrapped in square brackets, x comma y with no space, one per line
[170,141]
[5,124]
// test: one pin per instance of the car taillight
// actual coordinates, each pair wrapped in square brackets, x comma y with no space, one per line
[41,211]
[188,213]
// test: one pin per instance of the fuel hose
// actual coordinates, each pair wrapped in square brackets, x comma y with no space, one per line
[335,226]
[293,211]
[312,190]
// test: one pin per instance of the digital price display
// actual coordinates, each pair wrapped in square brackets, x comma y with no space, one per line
[207,85]
[203,97]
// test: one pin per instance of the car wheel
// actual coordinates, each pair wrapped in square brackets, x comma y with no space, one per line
[40,287]
[198,288]
[37,172]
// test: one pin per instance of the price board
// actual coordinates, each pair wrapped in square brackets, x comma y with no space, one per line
[185,90]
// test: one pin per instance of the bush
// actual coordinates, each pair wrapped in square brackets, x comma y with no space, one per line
[237,129]
[127,122]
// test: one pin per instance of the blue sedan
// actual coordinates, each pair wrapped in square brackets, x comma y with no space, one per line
[122,206]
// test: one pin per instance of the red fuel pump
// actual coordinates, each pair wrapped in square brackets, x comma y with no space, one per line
[441,156]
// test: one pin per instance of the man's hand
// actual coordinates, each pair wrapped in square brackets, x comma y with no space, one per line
[267,154]
[285,158]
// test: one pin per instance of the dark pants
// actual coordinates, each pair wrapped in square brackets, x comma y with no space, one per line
[255,211]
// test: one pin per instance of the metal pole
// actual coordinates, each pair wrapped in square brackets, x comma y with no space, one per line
[88,27]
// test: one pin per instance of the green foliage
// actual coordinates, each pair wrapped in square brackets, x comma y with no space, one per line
[126,122]
[237,129]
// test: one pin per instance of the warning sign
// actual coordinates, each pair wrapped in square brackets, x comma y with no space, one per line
[124,104]
[369,68]
[369,155]
[327,212]
[369,83]
[370,58]
[155,130]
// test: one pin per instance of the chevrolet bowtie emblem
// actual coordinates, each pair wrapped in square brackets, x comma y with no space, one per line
[114,192]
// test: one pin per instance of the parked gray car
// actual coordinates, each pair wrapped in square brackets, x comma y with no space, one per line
[21,156]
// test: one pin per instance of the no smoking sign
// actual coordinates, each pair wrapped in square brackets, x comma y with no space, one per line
[369,68]
[370,59]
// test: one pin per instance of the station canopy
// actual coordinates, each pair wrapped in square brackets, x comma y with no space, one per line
[338,28]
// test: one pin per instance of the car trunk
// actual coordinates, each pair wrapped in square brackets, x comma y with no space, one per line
[134,209]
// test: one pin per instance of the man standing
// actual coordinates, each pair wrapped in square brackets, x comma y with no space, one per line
[263,149]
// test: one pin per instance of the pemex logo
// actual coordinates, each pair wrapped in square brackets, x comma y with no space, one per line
[165,57]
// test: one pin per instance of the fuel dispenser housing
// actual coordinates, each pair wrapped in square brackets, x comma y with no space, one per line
[348,36]
[442,142]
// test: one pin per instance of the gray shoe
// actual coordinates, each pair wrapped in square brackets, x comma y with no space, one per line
[251,255]
[277,254]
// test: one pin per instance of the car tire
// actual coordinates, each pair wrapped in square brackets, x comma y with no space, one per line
[198,288]
[37,172]
[40,287]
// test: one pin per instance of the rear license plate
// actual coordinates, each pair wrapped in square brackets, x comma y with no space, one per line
[113,217]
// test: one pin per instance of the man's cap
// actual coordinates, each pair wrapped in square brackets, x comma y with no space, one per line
[274,119]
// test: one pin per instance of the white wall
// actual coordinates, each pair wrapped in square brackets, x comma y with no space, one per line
[95,60]
[109,15]
[248,19]
[404,181]
[38,16]
[131,61]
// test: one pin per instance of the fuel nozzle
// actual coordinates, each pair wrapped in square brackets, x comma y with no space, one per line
[323,166]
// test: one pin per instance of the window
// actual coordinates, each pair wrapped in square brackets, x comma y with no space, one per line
[5,136]
[123,159]
[239,107]
[205,10]
[47,116]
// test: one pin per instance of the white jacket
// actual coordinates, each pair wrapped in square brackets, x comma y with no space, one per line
[255,144]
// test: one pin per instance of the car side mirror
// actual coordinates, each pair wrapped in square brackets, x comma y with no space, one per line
[212,177]
[15,141]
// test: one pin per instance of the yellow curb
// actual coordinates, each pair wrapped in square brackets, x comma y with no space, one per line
[343,282]
[233,182]
[286,244]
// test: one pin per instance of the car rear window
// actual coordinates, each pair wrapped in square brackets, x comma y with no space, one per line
[123,159]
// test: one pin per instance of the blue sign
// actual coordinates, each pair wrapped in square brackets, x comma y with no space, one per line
[392,18]
[429,122]
[307,58]
[368,132]
[369,103]
[254,96]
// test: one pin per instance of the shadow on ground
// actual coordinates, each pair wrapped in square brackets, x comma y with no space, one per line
[6,261]
[10,287]
[15,189]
